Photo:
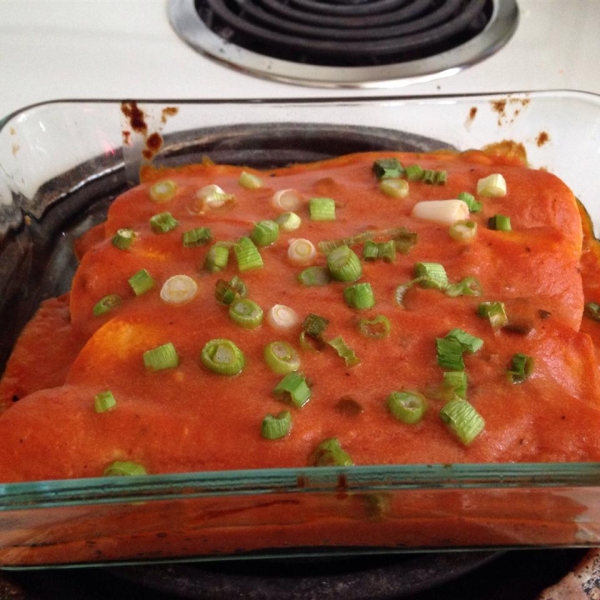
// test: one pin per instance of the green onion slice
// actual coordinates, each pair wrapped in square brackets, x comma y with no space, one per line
[196,237]
[591,311]
[521,367]
[434,275]
[106,304]
[493,186]
[463,231]
[463,420]
[141,282]
[163,191]
[217,258]
[122,468]
[250,181]
[293,388]
[385,168]
[470,201]
[469,343]
[246,313]
[322,209]
[343,264]
[282,317]
[329,453]
[227,292]
[213,196]
[499,223]
[162,357]
[276,427]
[247,255]
[314,326]
[178,289]
[407,406]
[377,328]
[494,312]
[163,222]
[359,296]
[414,172]
[395,188]
[454,385]
[123,239]
[281,357]
[314,276]
[288,221]
[287,200]
[344,351]
[371,250]
[104,401]
[223,357]
[469,286]
[301,251]
[265,233]
[450,354]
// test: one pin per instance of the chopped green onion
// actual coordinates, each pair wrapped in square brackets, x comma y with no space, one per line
[222,357]
[385,251]
[343,264]
[344,351]
[414,173]
[408,407]
[288,221]
[282,317]
[499,223]
[469,286]
[463,420]
[402,237]
[121,468]
[287,200]
[494,312]
[106,304]
[196,237]
[141,282]
[469,343]
[314,326]
[265,233]
[162,357]
[293,388]
[445,212]
[385,168]
[217,258]
[274,428]
[250,181]
[104,401]
[281,357]
[521,367]
[470,201]
[163,191]
[434,275]
[493,186]
[359,296]
[449,354]
[428,176]
[123,239]
[322,209]
[247,255]
[301,251]
[239,286]
[440,178]
[463,231]
[227,292]
[178,289]
[395,188]
[163,222]
[329,453]
[246,313]
[371,250]
[403,288]
[455,384]
[313,276]
[377,328]
[591,311]
[213,196]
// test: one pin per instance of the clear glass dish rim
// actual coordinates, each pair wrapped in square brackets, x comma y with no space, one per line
[101,490]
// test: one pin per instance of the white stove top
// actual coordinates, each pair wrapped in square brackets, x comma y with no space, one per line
[57,49]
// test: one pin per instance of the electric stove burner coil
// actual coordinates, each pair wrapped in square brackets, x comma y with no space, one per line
[345,42]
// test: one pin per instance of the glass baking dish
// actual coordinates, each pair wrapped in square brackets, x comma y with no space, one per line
[62,162]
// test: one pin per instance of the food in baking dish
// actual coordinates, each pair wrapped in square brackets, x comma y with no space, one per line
[376,308]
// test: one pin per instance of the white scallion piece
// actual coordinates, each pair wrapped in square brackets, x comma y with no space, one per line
[213,196]
[286,200]
[301,251]
[446,212]
[282,317]
[493,186]
[178,289]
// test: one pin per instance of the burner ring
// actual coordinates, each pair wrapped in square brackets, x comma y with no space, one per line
[276,39]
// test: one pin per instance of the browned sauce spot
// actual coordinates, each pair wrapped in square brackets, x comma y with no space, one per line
[499,106]
[169,111]
[472,113]
[136,116]
[507,149]
[153,145]
[542,138]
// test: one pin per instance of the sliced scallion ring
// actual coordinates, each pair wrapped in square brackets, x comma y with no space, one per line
[499,223]
[104,401]
[470,201]
[247,255]
[301,251]
[163,222]
[450,354]
[106,304]
[386,168]
[265,233]
[377,328]
[494,312]
[141,282]
[344,351]
[163,191]
[407,406]
[521,367]
[314,276]
[246,313]
[454,385]
[469,286]
[282,317]
[123,239]
[288,221]
[493,186]
[214,196]
[281,357]
[196,237]
[276,427]
[463,420]
[343,264]
[329,453]
[286,200]
[178,289]
[223,357]
[463,231]
[591,311]
[395,188]
[250,181]
[359,296]
[315,325]
[469,343]
[322,209]
[217,257]
[293,388]
[433,274]
[124,468]
[161,358]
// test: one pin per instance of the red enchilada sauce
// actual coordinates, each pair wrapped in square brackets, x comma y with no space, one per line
[188,418]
